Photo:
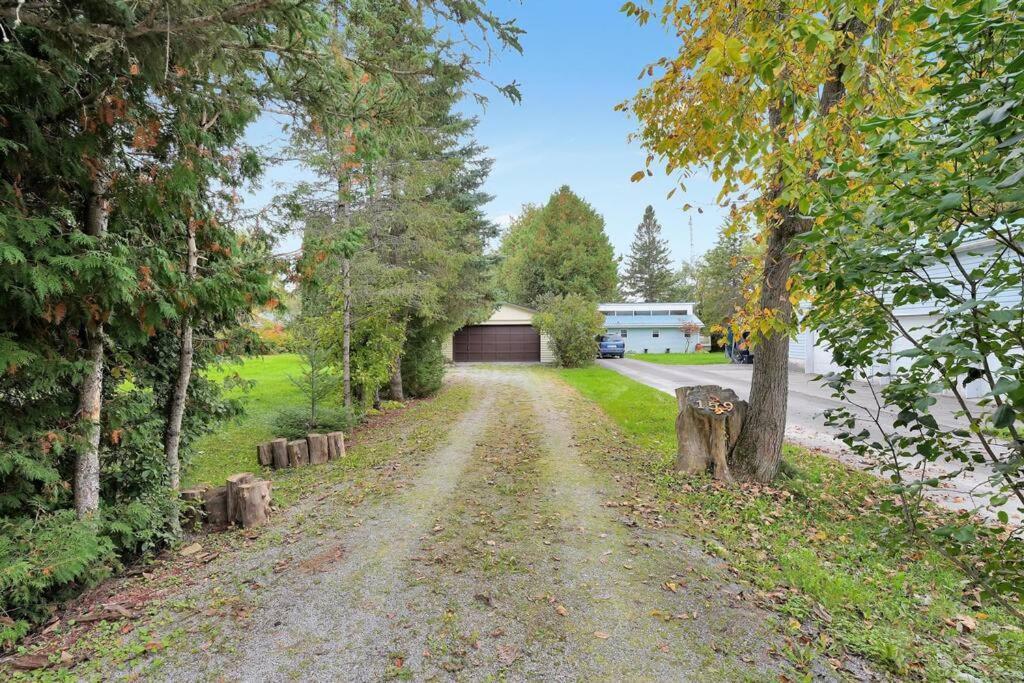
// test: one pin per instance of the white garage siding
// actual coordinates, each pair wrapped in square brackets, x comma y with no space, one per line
[816,359]
[506,314]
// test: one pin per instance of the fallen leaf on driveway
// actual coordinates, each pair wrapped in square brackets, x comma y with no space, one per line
[602,635]
[561,610]
[191,549]
[508,653]
[671,586]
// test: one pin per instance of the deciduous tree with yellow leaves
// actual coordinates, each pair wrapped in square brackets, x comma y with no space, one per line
[760,92]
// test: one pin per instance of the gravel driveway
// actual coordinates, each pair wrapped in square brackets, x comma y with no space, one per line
[495,558]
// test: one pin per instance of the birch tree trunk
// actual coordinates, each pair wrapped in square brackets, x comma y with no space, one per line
[90,399]
[176,408]
[346,333]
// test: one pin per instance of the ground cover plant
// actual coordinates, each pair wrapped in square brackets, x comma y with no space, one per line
[717,358]
[819,548]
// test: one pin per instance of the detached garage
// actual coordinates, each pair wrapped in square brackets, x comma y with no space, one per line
[508,336]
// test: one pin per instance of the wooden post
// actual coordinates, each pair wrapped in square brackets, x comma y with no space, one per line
[279,453]
[235,481]
[215,505]
[265,454]
[335,445]
[317,447]
[298,453]
[709,423]
[253,504]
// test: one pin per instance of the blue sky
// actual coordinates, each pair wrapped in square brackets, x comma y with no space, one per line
[580,58]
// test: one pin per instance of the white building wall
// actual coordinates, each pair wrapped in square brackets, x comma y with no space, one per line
[669,340]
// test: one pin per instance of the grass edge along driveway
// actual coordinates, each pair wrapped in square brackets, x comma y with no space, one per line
[817,547]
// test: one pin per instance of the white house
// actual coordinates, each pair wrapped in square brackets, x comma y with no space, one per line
[507,336]
[654,327]
[810,354]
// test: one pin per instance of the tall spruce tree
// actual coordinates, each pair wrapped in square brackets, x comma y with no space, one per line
[558,249]
[648,267]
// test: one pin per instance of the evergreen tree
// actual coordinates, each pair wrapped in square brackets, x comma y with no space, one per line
[648,267]
[559,249]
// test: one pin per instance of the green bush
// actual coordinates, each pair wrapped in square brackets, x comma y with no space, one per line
[422,364]
[572,324]
[45,560]
[295,423]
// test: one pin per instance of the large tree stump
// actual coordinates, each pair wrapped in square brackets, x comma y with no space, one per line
[335,445]
[215,505]
[234,482]
[317,445]
[252,504]
[265,454]
[298,453]
[279,452]
[708,425]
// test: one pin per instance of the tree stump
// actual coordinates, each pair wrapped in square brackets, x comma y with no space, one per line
[265,454]
[252,504]
[317,445]
[234,482]
[279,452]
[708,425]
[298,453]
[191,511]
[215,505]
[335,445]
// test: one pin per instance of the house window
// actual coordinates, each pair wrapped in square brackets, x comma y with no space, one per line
[682,312]
[661,312]
[656,333]
[623,333]
[686,334]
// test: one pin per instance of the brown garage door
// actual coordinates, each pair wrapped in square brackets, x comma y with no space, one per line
[496,343]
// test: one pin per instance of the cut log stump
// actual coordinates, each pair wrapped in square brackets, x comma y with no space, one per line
[252,505]
[298,453]
[279,453]
[335,445]
[265,454]
[708,425]
[192,510]
[234,482]
[215,505]
[317,446]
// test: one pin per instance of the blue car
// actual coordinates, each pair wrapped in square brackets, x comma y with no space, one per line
[611,346]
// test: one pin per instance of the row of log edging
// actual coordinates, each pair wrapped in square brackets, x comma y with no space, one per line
[315,449]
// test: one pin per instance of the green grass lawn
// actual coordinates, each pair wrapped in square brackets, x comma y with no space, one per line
[847,579]
[231,447]
[701,358]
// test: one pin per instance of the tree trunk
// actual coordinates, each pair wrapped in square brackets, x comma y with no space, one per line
[759,449]
[176,409]
[90,399]
[346,330]
[396,381]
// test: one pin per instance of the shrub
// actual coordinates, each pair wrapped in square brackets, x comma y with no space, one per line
[43,560]
[572,324]
[422,364]
[295,423]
